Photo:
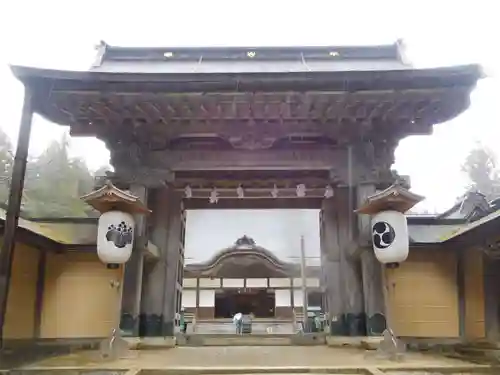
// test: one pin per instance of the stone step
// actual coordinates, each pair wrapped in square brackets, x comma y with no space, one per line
[229,327]
[209,340]
[250,340]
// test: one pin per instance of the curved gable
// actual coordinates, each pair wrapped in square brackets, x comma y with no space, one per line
[243,258]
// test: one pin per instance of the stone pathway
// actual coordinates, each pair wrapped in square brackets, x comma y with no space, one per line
[257,359]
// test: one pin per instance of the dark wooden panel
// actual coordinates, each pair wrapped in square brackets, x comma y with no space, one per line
[283,312]
[206,312]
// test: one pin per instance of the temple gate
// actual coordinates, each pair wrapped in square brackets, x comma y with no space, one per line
[295,127]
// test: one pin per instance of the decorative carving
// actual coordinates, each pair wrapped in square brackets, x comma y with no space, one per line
[245,241]
[251,142]
[143,174]
[130,151]
[371,161]
[157,167]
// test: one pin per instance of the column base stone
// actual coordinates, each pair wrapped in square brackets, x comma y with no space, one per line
[348,325]
[154,325]
[375,324]
[129,325]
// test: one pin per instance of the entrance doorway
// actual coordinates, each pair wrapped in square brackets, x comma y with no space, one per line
[259,302]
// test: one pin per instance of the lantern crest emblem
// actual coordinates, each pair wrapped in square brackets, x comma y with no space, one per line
[121,234]
[383,234]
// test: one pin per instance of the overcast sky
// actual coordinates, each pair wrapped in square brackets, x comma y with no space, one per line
[62,34]
[275,230]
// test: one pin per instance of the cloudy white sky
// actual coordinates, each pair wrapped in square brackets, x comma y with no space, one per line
[62,34]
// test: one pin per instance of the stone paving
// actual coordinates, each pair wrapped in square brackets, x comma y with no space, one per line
[253,358]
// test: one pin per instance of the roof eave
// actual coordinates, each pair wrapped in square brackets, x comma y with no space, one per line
[461,75]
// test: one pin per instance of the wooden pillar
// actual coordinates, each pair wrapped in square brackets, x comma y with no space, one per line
[173,257]
[371,269]
[14,206]
[133,275]
[341,274]
[330,267]
[151,318]
[350,268]
[491,298]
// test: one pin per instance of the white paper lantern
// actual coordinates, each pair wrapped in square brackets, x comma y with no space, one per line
[115,237]
[390,237]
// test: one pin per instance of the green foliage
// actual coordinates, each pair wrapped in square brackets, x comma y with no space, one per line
[481,168]
[6,161]
[54,181]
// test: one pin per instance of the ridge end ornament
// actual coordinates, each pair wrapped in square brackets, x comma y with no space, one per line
[301,190]
[275,191]
[240,192]
[188,192]
[214,196]
[329,192]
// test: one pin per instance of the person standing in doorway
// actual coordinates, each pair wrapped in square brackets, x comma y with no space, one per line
[183,323]
[238,320]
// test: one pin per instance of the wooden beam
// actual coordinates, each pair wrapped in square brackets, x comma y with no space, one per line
[248,160]
[412,110]
[14,206]
[227,128]
[255,193]
[280,203]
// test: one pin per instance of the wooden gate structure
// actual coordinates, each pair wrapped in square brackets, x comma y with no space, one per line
[249,128]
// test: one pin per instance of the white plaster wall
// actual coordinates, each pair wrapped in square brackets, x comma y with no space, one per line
[190,283]
[256,283]
[189,298]
[282,297]
[277,282]
[297,298]
[209,231]
[210,283]
[207,298]
[233,283]
[310,282]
